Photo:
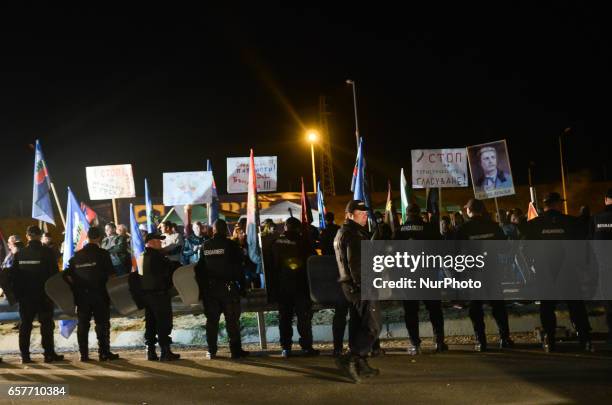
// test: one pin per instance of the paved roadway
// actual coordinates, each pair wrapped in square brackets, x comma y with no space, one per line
[523,375]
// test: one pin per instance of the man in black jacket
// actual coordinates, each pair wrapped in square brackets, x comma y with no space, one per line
[601,229]
[289,255]
[415,229]
[221,277]
[480,227]
[553,225]
[365,317]
[32,267]
[87,273]
[155,284]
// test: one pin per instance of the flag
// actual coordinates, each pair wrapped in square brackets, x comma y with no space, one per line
[406,196]
[149,209]
[41,196]
[531,212]
[75,238]
[306,216]
[390,213]
[359,185]
[137,243]
[213,207]
[252,225]
[90,214]
[321,206]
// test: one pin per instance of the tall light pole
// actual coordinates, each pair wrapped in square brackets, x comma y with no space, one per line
[352,83]
[313,136]
[566,131]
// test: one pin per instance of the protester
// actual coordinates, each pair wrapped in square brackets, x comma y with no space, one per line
[172,244]
[193,243]
[117,245]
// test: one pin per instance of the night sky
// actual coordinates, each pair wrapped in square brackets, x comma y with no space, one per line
[166,89]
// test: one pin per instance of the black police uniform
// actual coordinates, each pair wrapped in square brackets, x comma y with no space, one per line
[365,318]
[155,284]
[88,272]
[32,267]
[416,229]
[553,225]
[220,277]
[289,255]
[601,229]
[482,228]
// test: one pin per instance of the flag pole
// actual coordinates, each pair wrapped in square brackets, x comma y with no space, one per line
[497,211]
[167,215]
[115,211]
[59,207]
[440,202]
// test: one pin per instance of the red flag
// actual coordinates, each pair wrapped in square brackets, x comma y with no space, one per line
[531,212]
[390,212]
[90,214]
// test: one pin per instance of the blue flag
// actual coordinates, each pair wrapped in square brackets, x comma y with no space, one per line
[137,243]
[213,207]
[359,185]
[149,209]
[321,206]
[41,196]
[75,238]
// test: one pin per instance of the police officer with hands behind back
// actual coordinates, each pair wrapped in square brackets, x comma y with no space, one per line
[365,318]
[155,284]
[32,267]
[554,225]
[87,274]
[221,278]
[480,227]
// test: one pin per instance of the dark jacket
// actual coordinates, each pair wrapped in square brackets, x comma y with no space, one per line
[156,272]
[88,271]
[32,267]
[479,228]
[117,246]
[601,225]
[415,228]
[191,249]
[348,252]
[290,252]
[326,239]
[220,264]
[553,225]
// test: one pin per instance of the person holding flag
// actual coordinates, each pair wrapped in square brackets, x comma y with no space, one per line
[32,267]
[87,273]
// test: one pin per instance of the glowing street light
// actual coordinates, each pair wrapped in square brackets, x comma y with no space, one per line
[313,137]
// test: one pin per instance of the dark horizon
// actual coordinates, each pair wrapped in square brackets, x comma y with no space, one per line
[166,93]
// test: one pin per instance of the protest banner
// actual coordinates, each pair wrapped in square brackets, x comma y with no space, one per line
[238,174]
[184,188]
[490,170]
[110,182]
[439,168]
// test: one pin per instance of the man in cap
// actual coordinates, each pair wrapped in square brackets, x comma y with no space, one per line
[32,267]
[415,229]
[220,276]
[87,274]
[554,225]
[365,318]
[290,252]
[479,226]
[492,176]
[601,229]
[155,284]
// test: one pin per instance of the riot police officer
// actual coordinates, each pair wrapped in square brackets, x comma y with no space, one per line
[365,319]
[289,255]
[480,227]
[415,228]
[220,277]
[554,225]
[87,273]
[601,229]
[32,267]
[155,284]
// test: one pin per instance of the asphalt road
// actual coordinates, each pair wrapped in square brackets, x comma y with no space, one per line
[522,375]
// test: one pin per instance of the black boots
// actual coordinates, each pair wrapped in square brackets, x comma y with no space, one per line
[348,365]
[439,345]
[481,342]
[50,358]
[152,353]
[107,356]
[167,355]
[364,369]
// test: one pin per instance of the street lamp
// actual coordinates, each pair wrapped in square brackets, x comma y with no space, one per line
[566,131]
[352,83]
[313,137]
